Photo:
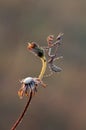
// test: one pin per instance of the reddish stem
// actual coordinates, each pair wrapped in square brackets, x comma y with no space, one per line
[22,114]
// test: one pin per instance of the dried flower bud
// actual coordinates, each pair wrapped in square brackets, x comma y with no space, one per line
[32,45]
[38,51]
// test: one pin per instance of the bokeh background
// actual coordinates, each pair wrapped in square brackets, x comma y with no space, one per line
[62,105]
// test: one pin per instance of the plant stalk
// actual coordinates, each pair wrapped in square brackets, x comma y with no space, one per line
[22,114]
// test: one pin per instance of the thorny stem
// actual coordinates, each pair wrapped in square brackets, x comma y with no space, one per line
[22,114]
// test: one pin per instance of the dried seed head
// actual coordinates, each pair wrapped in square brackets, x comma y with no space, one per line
[28,85]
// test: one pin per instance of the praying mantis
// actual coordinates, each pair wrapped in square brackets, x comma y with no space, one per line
[30,83]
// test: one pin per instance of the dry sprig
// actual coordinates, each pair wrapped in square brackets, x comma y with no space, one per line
[29,85]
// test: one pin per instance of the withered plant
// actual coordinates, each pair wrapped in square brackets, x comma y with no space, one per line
[29,85]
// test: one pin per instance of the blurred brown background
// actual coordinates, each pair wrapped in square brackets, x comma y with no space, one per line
[62,105]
